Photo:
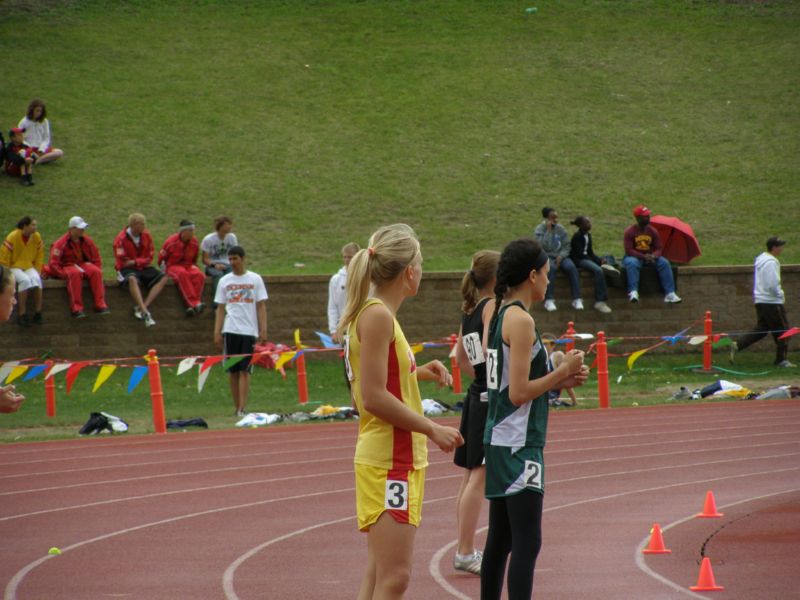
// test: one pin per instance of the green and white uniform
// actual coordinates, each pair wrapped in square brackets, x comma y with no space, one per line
[515,435]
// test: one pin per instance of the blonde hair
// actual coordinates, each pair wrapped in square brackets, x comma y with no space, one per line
[350,248]
[483,270]
[389,251]
[136,218]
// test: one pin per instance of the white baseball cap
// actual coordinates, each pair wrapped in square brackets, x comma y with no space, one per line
[78,222]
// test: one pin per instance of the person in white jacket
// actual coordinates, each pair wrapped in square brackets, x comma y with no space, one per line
[768,297]
[337,297]
[38,134]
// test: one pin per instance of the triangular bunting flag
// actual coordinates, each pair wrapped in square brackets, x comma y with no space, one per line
[327,341]
[33,372]
[725,341]
[232,360]
[186,364]
[634,357]
[72,374]
[284,358]
[697,340]
[16,372]
[789,333]
[297,343]
[137,375]
[105,372]
[57,368]
[417,348]
[209,362]
[7,368]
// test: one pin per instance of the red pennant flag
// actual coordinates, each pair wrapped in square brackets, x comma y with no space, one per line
[72,374]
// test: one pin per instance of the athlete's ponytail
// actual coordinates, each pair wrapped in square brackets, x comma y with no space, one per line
[390,250]
[484,269]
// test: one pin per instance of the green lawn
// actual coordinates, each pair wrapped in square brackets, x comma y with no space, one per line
[311,123]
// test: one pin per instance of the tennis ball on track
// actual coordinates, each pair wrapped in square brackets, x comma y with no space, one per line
[54,551]
[635,404]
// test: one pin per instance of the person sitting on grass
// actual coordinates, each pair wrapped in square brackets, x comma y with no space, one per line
[133,256]
[74,257]
[23,252]
[19,157]
[38,134]
[179,257]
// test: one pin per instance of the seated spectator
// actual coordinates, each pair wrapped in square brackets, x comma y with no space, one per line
[554,240]
[74,257]
[215,248]
[643,248]
[179,255]
[23,253]
[38,134]
[583,256]
[133,257]
[19,157]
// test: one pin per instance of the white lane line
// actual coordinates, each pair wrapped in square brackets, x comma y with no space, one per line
[640,557]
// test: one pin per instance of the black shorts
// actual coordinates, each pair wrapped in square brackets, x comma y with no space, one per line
[147,277]
[233,344]
[473,422]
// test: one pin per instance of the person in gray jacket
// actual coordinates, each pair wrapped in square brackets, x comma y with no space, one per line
[769,298]
[555,242]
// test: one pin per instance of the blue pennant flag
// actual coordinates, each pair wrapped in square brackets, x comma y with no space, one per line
[136,377]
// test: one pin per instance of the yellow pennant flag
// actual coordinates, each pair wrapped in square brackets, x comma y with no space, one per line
[283,359]
[105,372]
[297,343]
[417,348]
[16,372]
[634,357]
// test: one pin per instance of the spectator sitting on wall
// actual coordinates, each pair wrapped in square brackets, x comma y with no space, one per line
[582,254]
[214,248]
[38,133]
[643,247]
[179,257]
[74,257]
[555,242]
[23,253]
[133,257]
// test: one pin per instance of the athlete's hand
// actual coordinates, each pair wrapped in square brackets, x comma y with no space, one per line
[574,361]
[10,401]
[436,371]
[577,379]
[447,438]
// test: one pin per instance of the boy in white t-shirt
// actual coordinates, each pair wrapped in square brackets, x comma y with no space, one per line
[214,251]
[240,322]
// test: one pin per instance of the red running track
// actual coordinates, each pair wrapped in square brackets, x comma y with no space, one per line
[255,514]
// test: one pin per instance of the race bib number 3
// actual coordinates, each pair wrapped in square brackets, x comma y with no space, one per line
[533,474]
[473,348]
[491,369]
[396,494]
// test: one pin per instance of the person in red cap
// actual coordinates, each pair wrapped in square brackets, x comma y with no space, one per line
[179,257]
[643,247]
[74,257]
[20,157]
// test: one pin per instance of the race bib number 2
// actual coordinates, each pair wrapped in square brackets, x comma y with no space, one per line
[491,369]
[533,474]
[396,495]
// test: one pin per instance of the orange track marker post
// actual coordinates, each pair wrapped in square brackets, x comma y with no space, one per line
[709,508]
[302,380]
[602,370]
[707,329]
[570,334]
[656,545]
[455,370]
[156,392]
[50,391]
[705,579]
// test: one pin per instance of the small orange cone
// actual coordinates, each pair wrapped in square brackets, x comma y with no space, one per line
[709,508]
[705,580]
[656,545]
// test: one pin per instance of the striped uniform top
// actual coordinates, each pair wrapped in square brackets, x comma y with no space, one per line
[508,425]
[381,444]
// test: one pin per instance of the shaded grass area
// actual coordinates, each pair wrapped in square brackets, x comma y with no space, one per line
[312,123]
[652,381]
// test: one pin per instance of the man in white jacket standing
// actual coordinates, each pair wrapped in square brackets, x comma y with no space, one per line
[337,297]
[769,298]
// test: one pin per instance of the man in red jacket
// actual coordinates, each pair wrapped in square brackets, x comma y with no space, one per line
[74,257]
[179,255]
[133,258]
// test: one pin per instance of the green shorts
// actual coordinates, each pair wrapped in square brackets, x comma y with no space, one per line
[509,473]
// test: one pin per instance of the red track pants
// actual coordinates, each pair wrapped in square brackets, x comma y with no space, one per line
[190,280]
[75,274]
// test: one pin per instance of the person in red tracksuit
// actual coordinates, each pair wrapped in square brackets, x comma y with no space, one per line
[75,257]
[179,255]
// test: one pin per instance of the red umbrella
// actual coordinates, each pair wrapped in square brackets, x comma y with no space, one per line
[677,238]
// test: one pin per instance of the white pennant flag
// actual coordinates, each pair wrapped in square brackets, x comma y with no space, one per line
[57,369]
[6,369]
[186,364]
[201,379]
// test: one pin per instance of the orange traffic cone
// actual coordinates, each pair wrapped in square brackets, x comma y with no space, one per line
[709,508]
[656,545]
[705,580]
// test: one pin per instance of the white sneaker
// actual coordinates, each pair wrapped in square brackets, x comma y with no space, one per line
[785,364]
[149,321]
[633,296]
[471,563]
[549,305]
[138,313]
[602,307]
[672,298]
[577,304]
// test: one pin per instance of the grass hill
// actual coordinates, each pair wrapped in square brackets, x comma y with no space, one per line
[313,122]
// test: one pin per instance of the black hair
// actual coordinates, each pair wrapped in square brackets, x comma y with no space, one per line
[236,251]
[24,222]
[546,211]
[579,221]
[517,260]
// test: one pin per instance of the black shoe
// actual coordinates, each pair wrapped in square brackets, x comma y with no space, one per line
[199,308]
[37,318]
[190,312]
[24,181]
[102,311]
[24,321]
[78,314]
